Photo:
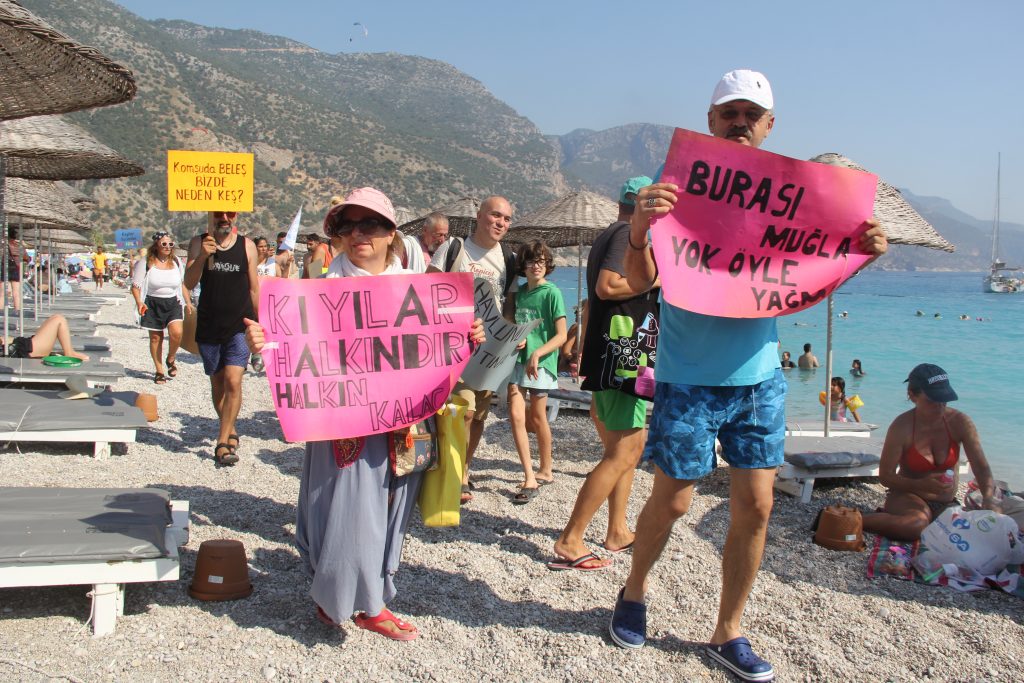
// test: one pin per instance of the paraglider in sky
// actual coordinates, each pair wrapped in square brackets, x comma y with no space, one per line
[365,31]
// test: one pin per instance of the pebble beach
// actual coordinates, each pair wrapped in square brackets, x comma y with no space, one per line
[487,607]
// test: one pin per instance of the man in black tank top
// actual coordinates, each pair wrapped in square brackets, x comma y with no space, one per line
[224,263]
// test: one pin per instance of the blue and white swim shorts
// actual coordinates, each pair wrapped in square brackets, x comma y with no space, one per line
[750,422]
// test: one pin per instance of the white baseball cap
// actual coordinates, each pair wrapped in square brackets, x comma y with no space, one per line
[743,84]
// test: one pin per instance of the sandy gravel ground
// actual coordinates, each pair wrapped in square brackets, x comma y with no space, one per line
[487,607]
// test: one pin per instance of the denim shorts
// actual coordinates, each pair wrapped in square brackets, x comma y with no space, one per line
[232,352]
[750,422]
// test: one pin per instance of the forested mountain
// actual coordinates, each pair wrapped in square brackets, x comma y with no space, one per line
[321,124]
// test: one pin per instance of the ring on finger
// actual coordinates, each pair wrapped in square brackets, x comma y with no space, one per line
[652,202]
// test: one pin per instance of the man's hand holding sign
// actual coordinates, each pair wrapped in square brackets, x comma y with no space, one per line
[742,233]
[356,356]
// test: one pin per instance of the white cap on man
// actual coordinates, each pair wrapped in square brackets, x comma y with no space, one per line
[743,84]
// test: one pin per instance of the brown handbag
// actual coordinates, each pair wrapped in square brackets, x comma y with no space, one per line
[840,528]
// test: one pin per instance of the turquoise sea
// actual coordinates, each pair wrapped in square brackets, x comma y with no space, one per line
[984,357]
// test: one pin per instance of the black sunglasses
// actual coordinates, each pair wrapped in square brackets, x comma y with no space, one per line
[367,226]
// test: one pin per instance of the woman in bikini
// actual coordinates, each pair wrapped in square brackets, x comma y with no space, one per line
[920,446]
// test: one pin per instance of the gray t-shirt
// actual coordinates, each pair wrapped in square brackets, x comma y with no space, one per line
[486,264]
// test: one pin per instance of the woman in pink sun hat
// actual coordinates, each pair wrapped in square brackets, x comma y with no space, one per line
[353,511]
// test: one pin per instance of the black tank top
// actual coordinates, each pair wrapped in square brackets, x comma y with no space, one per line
[224,296]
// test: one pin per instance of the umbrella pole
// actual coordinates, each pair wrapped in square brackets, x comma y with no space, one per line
[7,246]
[37,270]
[17,264]
[52,276]
[579,304]
[828,367]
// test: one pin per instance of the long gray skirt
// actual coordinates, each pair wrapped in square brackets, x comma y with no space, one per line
[348,532]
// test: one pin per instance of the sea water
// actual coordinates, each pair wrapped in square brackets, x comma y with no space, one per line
[983,355]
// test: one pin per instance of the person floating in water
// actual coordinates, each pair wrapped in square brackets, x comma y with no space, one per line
[857,370]
[842,406]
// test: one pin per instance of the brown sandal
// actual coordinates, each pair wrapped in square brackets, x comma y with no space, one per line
[159,378]
[172,368]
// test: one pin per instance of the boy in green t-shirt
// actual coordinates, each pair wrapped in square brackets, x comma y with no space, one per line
[537,368]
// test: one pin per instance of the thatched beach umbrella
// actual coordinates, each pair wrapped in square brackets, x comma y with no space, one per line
[575,219]
[41,201]
[80,199]
[461,215]
[42,71]
[43,204]
[902,225]
[50,148]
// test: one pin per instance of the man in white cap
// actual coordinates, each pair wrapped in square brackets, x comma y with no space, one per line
[721,380]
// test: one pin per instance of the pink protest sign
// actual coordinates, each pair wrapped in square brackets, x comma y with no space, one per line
[755,234]
[363,355]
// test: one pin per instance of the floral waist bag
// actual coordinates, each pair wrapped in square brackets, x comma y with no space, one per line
[412,448]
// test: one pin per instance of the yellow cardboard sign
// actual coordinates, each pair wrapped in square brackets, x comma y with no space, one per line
[209,181]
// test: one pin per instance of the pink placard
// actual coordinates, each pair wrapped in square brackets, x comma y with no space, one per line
[363,355]
[755,234]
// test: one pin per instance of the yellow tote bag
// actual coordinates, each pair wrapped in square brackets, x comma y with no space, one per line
[442,487]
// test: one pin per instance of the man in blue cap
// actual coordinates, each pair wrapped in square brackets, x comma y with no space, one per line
[619,417]
[721,380]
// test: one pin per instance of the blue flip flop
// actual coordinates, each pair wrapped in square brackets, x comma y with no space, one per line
[737,656]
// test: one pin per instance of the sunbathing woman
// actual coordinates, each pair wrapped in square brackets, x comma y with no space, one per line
[53,330]
[920,446]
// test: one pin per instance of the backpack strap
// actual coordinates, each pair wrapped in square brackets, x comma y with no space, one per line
[453,254]
[510,265]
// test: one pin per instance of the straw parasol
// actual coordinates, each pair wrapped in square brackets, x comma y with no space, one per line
[50,148]
[575,219]
[83,201]
[42,71]
[461,215]
[41,201]
[902,225]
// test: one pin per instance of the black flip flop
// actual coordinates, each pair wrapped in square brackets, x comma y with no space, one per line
[224,459]
[525,496]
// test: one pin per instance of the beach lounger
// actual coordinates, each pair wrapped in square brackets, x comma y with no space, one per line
[87,344]
[45,417]
[817,457]
[34,371]
[103,537]
[75,327]
[570,396]
[814,427]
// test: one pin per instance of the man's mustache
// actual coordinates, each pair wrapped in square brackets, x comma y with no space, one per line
[739,130]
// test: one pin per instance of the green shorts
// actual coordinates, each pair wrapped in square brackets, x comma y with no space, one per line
[619,411]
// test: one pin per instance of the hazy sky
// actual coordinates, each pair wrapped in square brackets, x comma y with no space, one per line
[924,93]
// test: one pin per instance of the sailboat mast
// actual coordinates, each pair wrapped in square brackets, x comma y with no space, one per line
[995,223]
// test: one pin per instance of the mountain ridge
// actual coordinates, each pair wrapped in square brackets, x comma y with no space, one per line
[320,124]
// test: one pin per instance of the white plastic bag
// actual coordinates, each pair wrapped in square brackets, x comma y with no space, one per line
[980,541]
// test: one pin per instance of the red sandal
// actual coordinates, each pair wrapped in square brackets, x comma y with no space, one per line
[406,631]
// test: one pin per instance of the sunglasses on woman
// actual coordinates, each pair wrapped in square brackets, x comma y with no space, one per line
[371,226]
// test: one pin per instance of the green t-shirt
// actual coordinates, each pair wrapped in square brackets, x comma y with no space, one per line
[543,302]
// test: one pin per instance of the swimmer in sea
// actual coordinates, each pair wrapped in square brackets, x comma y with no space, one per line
[856,370]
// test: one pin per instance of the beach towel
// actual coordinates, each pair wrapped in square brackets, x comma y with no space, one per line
[896,559]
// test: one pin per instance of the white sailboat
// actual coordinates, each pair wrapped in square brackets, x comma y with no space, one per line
[1002,279]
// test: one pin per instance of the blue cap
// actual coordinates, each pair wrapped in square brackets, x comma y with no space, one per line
[631,187]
